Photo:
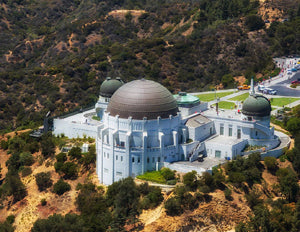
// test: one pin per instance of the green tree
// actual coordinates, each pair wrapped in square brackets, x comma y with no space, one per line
[26,159]
[75,153]
[43,180]
[254,22]
[15,186]
[60,187]
[173,207]
[288,183]
[47,145]
[70,170]
[271,164]
[167,173]
[190,180]
[61,157]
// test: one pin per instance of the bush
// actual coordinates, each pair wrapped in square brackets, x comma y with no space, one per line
[190,180]
[60,187]
[227,194]
[254,22]
[173,207]
[167,173]
[43,202]
[75,153]
[26,171]
[4,144]
[61,157]
[271,164]
[70,170]
[26,159]
[43,180]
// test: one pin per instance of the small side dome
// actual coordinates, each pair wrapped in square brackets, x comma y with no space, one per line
[256,105]
[109,86]
[141,99]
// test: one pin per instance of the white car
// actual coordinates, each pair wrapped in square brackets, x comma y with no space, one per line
[269,91]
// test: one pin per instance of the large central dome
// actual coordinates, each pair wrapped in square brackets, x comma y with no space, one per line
[142,98]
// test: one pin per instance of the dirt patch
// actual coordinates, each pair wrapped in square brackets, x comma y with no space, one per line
[240,79]
[120,14]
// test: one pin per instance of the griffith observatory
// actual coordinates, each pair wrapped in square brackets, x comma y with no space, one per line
[143,127]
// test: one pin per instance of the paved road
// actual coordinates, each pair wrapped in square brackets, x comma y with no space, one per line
[283,89]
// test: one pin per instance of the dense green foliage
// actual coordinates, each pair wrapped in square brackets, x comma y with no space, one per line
[43,180]
[54,57]
[163,176]
[60,187]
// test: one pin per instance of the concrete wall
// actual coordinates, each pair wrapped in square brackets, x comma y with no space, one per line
[73,129]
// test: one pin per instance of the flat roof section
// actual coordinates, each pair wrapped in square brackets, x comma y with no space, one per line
[197,121]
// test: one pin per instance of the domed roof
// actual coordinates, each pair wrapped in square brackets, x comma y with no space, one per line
[142,98]
[109,86]
[256,105]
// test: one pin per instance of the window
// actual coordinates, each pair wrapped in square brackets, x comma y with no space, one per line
[122,144]
[119,173]
[210,131]
[116,157]
[230,131]
[239,133]
[158,159]
[139,160]
[221,130]
[132,159]
[256,133]
[104,155]
[148,160]
[153,159]
[218,154]
[121,158]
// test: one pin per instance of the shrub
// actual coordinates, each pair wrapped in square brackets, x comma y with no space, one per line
[271,164]
[70,170]
[227,194]
[26,171]
[4,144]
[61,157]
[43,180]
[190,180]
[167,173]
[26,159]
[173,207]
[60,187]
[254,22]
[75,153]
[43,202]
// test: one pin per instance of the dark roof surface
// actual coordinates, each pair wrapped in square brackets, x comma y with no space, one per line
[109,86]
[256,105]
[142,98]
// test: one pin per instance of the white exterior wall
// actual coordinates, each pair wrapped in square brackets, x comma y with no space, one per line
[127,147]
[74,129]
[202,132]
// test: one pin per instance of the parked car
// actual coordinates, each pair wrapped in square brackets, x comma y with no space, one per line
[269,91]
[294,70]
[243,87]
[289,72]
[261,88]
[296,81]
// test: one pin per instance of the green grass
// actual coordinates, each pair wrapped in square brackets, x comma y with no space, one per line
[283,101]
[226,105]
[206,97]
[154,176]
[241,97]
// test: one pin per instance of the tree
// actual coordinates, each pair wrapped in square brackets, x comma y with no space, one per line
[75,153]
[70,170]
[167,173]
[47,145]
[271,164]
[190,180]
[61,157]
[293,125]
[173,207]
[43,180]
[288,183]
[254,22]
[60,187]
[26,159]
[15,185]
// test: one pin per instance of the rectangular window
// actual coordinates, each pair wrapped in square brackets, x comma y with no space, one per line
[148,160]
[121,158]
[238,133]
[230,131]
[119,173]
[132,159]
[221,130]
[218,154]
[139,160]
[153,159]
[122,144]
[158,159]
[104,155]
[107,155]
[116,157]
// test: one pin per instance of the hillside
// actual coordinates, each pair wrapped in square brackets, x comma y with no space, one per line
[228,199]
[55,54]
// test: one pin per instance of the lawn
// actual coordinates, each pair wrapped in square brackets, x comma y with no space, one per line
[241,97]
[206,97]
[283,101]
[154,176]
[226,105]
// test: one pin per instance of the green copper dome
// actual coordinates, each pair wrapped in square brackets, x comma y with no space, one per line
[256,105]
[184,99]
[109,86]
